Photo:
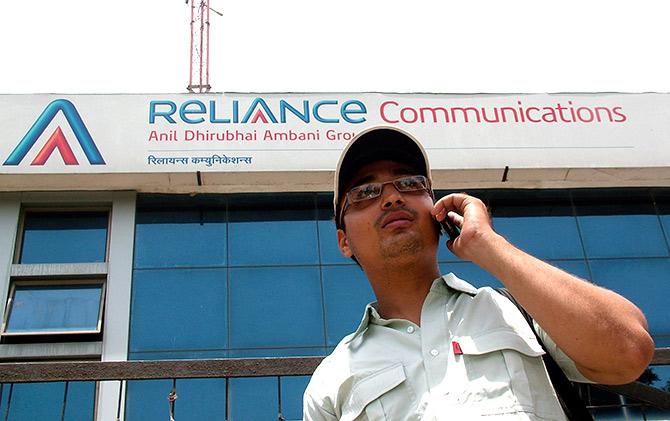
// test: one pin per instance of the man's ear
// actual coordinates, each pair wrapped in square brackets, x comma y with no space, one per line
[343,244]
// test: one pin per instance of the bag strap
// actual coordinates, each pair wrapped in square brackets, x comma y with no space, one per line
[570,401]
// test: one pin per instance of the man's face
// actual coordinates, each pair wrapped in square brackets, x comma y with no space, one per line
[392,226]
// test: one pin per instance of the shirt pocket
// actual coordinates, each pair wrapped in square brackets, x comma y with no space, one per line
[369,397]
[504,373]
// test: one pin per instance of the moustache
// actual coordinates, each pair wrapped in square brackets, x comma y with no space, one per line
[380,219]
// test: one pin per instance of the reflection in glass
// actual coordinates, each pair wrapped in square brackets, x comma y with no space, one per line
[347,292]
[179,309]
[330,252]
[292,389]
[657,376]
[276,307]
[146,398]
[644,282]
[47,401]
[622,236]
[273,243]
[55,308]
[545,237]
[176,239]
[64,237]
[253,398]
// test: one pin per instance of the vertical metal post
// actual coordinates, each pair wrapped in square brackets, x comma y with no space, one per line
[118,406]
[227,398]
[172,397]
[207,48]
[62,413]
[199,64]
[9,401]
[202,27]
[190,70]
[280,416]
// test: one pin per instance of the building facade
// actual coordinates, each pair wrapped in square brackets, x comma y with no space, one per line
[149,227]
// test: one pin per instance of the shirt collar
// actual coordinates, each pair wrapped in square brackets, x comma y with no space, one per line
[450,281]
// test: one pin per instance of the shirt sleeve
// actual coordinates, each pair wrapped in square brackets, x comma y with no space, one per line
[567,365]
[314,408]
[316,403]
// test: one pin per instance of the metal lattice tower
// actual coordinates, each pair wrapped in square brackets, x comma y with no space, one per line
[199,67]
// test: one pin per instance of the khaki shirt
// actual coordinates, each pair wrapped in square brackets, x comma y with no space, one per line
[473,356]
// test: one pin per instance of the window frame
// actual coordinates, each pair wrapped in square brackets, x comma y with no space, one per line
[74,208]
[102,282]
[56,274]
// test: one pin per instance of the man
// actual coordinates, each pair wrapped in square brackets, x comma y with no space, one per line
[433,347]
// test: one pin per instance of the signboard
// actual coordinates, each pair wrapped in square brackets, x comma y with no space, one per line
[64,134]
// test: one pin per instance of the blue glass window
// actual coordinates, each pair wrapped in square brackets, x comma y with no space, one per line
[201,399]
[347,291]
[575,267]
[665,222]
[197,399]
[44,401]
[645,283]
[267,231]
[184,309]
[292,389]
[662,199]
[622,236]
[660,377]
[621,227]
[205,399]
[147,398]
[478,277]
[541,223]
[273,243]
[303,351]
[545,237]
[80,401]
[253,399]
[64,237]
[330,252]
[276,307]
[180,238]
[74,308]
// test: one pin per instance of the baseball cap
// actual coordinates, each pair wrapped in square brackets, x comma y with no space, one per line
[377,144]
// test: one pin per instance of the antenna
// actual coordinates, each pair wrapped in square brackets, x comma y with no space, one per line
[199,64]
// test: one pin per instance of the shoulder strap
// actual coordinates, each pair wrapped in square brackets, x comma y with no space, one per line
[570,401]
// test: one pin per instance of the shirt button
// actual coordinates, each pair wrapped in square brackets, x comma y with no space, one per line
[434,352]
[410,329]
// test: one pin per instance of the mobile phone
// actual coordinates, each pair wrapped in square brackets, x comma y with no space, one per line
[449,228]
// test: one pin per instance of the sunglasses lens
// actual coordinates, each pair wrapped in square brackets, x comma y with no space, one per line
[410,183]
[365,192]
[372,190]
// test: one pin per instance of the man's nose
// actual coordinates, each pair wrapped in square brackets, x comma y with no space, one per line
[391,196]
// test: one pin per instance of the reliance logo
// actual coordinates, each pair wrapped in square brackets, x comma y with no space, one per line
[57,139]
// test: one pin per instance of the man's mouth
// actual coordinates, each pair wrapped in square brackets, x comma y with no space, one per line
[397,219]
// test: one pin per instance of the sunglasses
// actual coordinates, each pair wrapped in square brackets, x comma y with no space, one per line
[369,191]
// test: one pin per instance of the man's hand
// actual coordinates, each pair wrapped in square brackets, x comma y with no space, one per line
[471,216]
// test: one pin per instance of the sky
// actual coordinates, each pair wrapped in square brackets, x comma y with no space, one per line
[94,46]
